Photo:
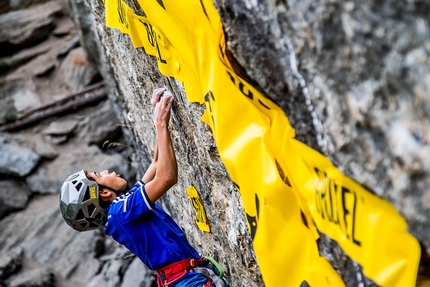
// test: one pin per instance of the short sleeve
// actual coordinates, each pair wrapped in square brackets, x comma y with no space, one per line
[134,204]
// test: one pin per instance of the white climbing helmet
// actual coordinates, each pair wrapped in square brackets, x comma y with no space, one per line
[79,203]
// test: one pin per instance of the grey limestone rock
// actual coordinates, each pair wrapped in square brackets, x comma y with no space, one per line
[77,71]
[40,277]
[10,262]
[14,196]
[16,159]
[27,26]
[48,178]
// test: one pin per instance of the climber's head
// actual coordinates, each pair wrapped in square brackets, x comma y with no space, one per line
[111,181]
[84,195]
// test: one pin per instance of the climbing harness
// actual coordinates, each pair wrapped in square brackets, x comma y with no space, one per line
[213,271]
[173,272]
[213,280]
[204,265]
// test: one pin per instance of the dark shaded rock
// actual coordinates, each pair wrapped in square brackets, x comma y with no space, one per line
[14,196]
[25,56]
[16,159]
[82,16]
[350,271]
[11,262]
[44,149]
[7,89]
[61,127]
[27,27]
[102,126]
[44,70]
[121,266]
[57,140]
[4,7]
[70,46]
[110,274]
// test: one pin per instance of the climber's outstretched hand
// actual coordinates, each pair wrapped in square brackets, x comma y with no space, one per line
[156,95]
[163,172]
[163,103]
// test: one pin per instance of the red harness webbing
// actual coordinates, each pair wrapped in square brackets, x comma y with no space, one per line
[172,272]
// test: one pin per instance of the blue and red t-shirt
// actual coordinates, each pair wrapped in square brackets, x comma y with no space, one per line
[147,230]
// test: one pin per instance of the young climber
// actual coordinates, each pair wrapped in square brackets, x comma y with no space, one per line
[90,200]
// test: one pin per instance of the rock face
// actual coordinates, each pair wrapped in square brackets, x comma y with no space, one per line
[352,77]
[14,196]
[25,27]
[15,159]
[130,82]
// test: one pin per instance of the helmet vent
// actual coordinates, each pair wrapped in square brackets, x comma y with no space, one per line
[72,177]
[78,186]
[92,225]
[87,194]
[80,215]
[91,209]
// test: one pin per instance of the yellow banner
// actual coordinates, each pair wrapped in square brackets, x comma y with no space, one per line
[288,189]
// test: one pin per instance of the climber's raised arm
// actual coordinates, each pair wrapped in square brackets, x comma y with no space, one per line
[163,172]
[150,172]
